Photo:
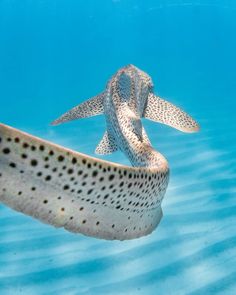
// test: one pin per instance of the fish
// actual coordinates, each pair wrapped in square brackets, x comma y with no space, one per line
[87,195]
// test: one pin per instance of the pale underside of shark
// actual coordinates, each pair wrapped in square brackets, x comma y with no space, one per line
[87,195]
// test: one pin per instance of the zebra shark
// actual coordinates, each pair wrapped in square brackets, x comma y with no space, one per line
[87,195]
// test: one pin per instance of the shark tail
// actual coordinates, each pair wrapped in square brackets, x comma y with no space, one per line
[79,193]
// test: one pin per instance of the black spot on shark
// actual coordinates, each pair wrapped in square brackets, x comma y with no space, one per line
[86,195]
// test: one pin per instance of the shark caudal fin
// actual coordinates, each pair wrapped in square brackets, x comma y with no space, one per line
[162,111]
[107,145]
[89,108]
[82,194]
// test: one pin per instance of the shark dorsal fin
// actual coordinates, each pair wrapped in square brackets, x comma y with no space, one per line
[162,111]
[107,145]
[88,108]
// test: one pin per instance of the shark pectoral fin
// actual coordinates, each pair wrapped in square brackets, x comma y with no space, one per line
[162,111]
[107,145]
[89,108]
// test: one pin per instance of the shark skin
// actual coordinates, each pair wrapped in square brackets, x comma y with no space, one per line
[87,195]
[129,97]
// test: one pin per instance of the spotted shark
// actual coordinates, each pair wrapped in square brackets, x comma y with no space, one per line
[87,195]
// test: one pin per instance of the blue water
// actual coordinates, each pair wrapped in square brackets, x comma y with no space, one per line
[55,54]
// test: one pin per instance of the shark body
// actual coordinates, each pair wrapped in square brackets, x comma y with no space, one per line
[124,106]
[88,195]
[128,98]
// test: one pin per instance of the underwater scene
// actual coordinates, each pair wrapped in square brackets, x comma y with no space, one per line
[57,54]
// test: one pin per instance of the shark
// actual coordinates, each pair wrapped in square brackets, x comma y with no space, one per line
[87,195]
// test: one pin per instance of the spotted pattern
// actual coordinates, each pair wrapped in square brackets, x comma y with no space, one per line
[124,86]
[87,195]
[123,117]
[91,107]
[77,192]
[162,111]
[107,145]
